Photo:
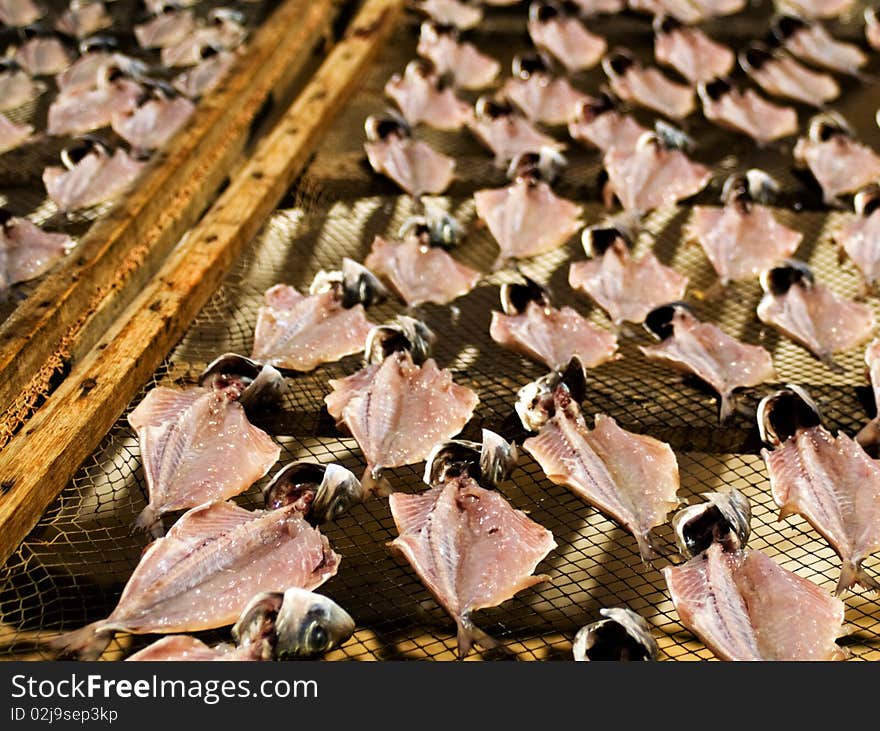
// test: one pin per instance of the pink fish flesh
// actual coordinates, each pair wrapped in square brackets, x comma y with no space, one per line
[568,41]
[600,7]
[301,332]
[509,135]
[422,99]
[527,218]
[626,288]
[745,607]
[470,548]
[152,125]
[606,129]
[167,29]
[196,446]
[545,99]
[463,16]
[397,410]
[860,239]
[205,76]
[190,50]
[43,56]
[420,273]
[649,87]
[19,13]
[84,110]
[96,178]
[91,70]
[183,648]
[781,75]
[835,485]
[469,68]
[83,19]
[816,8]
[814,44]
[748,112]
[839,164]
[650,176]
[693,54]
[718,8]
[26,251]
[201,575]
[817,318]
[414,165]
[869,435]
[17,88]
[552,336]
[13,135]
[631,478]
[684,11]
[706,351]
[741,241]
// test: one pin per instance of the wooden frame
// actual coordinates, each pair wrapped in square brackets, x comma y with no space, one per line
[73,306]
[39,461]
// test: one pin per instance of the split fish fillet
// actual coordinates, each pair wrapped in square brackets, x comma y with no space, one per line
[542,98]
[469,68]
[422,99]
[151,125]
[568,41]
[83,19]
[85,110]
[510,135]
[748,112]
[860,239]
[43,56]
[839,164]
[95,179]
[693,54]
[13,135]
[414,165]
[17,89]
[26,251]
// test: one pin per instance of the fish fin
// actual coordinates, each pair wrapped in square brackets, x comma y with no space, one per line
[728,405]
[85,643]
[784,512]
[852,573]
[375,483]
[150,522]
[869,434]
[469,635]
[646,550]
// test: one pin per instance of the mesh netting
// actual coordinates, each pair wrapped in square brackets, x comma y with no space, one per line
[21,187]
[73,566]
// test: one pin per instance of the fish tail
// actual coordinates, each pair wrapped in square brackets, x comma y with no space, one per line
[85,643]
[832,365]
[646,550]
[869,434]
[375,483]
[149,522]
[469,635]
[852,573]
[727,407]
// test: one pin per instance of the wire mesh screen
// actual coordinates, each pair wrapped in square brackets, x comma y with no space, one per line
[22,191]
[73,566]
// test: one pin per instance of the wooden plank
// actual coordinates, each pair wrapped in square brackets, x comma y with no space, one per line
[73,306]
[40,460]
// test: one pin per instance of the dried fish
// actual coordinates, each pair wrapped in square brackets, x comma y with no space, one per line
[43,54]
[690,51]
[469,68]
[461,15]
[746,111]
[169,28]
[77,111]
[423,97]
[811,42]
[83,18]
[19,13]
[207,74]
[647,86]
[559,32]
[599,123]
[321,493]
[781,75]
[13,135]
[540,96]
[723,518]
[26,251]
[859,239]
[16,87]
[621,636]
[154,121]
[507,134]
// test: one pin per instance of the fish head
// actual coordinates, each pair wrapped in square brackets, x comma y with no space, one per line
[622,635]
[525,65]
[490,107]
[785,27]
[321,493]
[100,43]
[752,186]
[85,145]
[714,89]
[538,401]
[867,200]
[827,125]
[544,164]
[872,15]
[598,239]
[603,102]
[251,383]
[778,280]
[403,334]
[489,463]
[783,413]
[667,136]
[430,31]
[665,24]
[385,126]
[310,624]
[660,321]
[755,56]
[256,623]
[515,297]
[352,285]
[5,217]
[543,11]
[618,62]
[436,228]
[226,17]
[724,517]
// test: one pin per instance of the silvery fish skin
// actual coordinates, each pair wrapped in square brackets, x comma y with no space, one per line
[651,176]
[423,100]
[625,287]
[542,98]
[151,125]
[746,111]
[621,636]
[781,75]
[19,13]
[527,218]
[741,239]
[631,478]
[564,37]
[196,445]
[202,574]
[26,251]
[814,316]
[43,56]
[165,29]
[82,19]
[17,89]
[553,336]
[745,607]
[13,135]
[420,273]
[469,68]
[835,485]
[461,15]
[470,548]
[647,86]
[301,332]
[811,42]
[691,52]
[706,351]
[397,410]
[96,178]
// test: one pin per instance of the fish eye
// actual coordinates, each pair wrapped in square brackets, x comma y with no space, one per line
[546,12]
[318,639]
[620,62]
[757,57]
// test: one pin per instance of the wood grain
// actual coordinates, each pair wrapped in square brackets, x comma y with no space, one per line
[73,306]
[39,461]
